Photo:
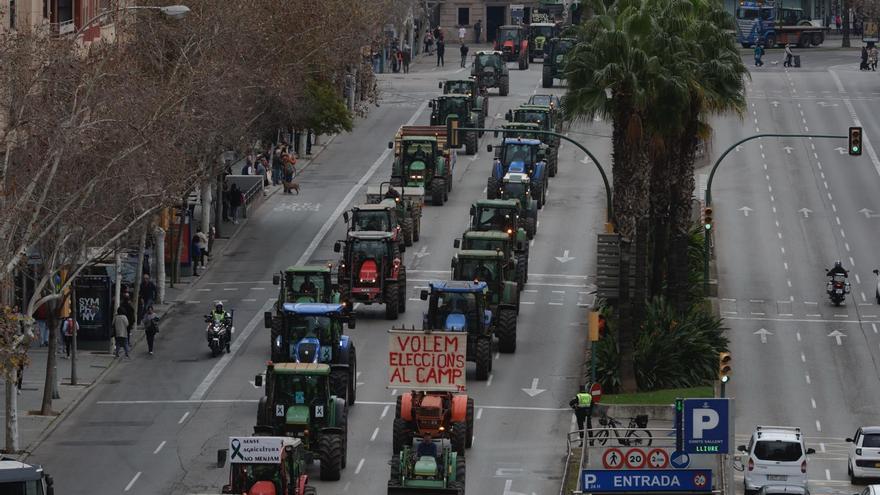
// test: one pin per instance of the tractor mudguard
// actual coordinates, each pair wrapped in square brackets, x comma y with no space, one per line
[459,408]
[539,171]
[344,346]
[332,430]
[508,295]
[406,407]
[497,170]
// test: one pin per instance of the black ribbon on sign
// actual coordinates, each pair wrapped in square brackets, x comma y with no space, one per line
[236,448]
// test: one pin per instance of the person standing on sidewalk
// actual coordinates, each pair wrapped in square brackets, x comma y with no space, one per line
[464,52]
[583,411]
[151,328]
[478,28]
[68,329]
[406,58]
[128,311]
[462,31]
[147,293]
[441,48]
[236,199]
[759,52]
[120,331]
[276,164]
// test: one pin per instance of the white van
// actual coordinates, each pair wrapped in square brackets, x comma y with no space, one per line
[776,456]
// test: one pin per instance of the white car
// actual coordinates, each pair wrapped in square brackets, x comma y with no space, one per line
[864,454]
[776,456]
[870,490]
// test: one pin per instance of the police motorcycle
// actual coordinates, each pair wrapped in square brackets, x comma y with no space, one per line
[837,288]
[219,331]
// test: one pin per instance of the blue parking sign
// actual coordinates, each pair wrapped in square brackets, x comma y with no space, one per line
[645,480]
[706,426]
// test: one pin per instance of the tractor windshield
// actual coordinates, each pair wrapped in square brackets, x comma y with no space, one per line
[516,152]
[369,248]
[484,244]
[457,106]
[293,389]
[493,219]
[311,326]
[459,87]
[488,60]
[535,117]
[456,303]
[508,34]
[304,288]
[475,269]
[371,220]
[545,31]
[543,100]
[418,152]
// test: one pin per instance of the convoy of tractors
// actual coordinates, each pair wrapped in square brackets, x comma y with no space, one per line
[310,381]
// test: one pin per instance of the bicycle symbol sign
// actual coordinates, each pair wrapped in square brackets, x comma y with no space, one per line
[658,459]
[635,458]
[700,480]
[612,459]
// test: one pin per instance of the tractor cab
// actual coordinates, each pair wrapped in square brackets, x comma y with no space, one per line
[488,59]
[513,252]
[311,332]
[418,156]
[451,105]
[539,34]
[458,306]
[380,217]
[491,268]
[495,214]
[265,465]
[545,100]
[305,284]
[536,114]
[490,71]
[509,39]
[523,130]
[516,186]
[459,87]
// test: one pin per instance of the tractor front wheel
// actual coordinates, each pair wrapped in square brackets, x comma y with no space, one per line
[392,301]
[469,418]
[547,76]
[531,228]
[492,187]
[460,472]
[352,375]
[417,228]
[522,268]
[504,86]
[407,231]
[401,290]
[484,358]
[459,437]
[400,436]
[330,453]
[506,331]
[470,143]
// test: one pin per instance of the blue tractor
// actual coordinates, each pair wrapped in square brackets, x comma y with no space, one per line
[519,155]
[313,333]
[462,306]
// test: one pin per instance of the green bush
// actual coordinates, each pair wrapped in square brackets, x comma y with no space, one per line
[677,351]
[607,361]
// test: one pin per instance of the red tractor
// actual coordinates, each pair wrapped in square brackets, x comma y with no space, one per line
[513,43]
[440,414]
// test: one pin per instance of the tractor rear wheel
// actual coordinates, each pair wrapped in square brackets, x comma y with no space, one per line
[339,383]
[342,422]
[459,437]
[392,300]
[330,453]
[417,228]
[521,273]
[401,290]
[492,186]
[310,490]
[352,375]
[551,164]
[438,191]
[483,356]
[460,471]
[470,143]
[531,227]
[506,331]
[407,231]
[538,194]
[547,76]
[398,406]
[469,419]
[504,86]
[400,436]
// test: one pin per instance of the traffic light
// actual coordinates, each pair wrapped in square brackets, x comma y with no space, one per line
[707,218]
[855,141]
[724,366]
[453,139]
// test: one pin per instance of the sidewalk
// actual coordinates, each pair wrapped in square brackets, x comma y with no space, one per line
[94,359]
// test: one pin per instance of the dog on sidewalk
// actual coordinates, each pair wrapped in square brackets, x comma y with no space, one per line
[291,186]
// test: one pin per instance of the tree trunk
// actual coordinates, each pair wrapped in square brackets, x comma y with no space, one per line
[178,248]
[159,242]
[659,225]
[138,276]
[11,412]
[50,386]
[681,192]
[207,194]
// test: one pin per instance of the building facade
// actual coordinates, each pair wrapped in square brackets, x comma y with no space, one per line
[62,17]
[490,13]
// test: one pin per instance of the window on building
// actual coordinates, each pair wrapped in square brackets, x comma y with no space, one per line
[464,16]
[12,14]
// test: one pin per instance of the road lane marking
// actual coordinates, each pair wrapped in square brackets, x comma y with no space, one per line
[803,358]
[858,280]
[817,319]
[343,205]
[360,466]
[183,418]
[874,327]
[798,334]
[813,402]
[828,474]
[373,436]
[489,381]
[159,447]
[131,483]
[384,412]
[479,413]
[224,361]
[808,379]
[818,425]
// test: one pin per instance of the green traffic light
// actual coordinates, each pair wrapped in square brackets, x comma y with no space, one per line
[725,379]
[708,226]
[855,149]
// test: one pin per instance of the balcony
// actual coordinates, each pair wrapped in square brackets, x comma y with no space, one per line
[62,28]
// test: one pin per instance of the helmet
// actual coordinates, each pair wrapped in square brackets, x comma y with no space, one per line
[218,306]
[837,264]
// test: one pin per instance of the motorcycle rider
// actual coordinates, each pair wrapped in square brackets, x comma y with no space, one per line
[837,270]
[219,315]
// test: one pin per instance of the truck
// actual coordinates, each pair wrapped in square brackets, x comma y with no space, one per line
[771,25]
[423,159]
[18,477]
[265,465]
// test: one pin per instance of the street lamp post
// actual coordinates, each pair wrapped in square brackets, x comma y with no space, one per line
[173,11]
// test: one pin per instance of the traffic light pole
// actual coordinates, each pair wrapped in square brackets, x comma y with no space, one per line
[707,232]
[608,204]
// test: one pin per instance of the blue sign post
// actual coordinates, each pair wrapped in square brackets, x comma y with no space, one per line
[663,480]
[706,426]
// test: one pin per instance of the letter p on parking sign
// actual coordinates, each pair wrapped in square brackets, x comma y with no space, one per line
[707,424]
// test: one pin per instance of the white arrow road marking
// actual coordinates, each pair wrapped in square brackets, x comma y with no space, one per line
[474,158]
[586,160]
[806,212]
[787,149]
[738,148]
[868,213]
[763,332]
[841,150]
[534,390]
[508,491]
[745,210]
[838,336]
[422,252]
[498,116]
[565,258]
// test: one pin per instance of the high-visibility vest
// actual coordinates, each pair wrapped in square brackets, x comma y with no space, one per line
[585,399]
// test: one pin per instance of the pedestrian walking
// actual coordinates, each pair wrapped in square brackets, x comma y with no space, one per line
[147,293]
[441,48]
[236,199]
[128,311]
[310,136]
[438,34]
[276,164]
[151,328]
[864,63]
[583,411]
[429,42]
[69,328]
[478,28]
[201,240]
[248,167]
[873,54]
[227,208]
[262,170]
[406,59]
[462,31]
[759,52]
[289,174]
[25,343]
[464,52]
[838,22]
[789,56]
[120,332]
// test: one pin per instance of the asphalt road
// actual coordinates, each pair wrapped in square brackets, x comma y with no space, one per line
[154,424]
[785,209]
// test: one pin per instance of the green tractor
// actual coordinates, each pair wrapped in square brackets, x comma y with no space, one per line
[539,34]
[407,201]
[300,284]
[468,87]
[422,160]
[458,106]
[503,215]
[526,130]
[427,467]
[462,306]
[517,265]
[298,403]
[554,61]
[503,295]
[516,186]
[490,71]
[378,218]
